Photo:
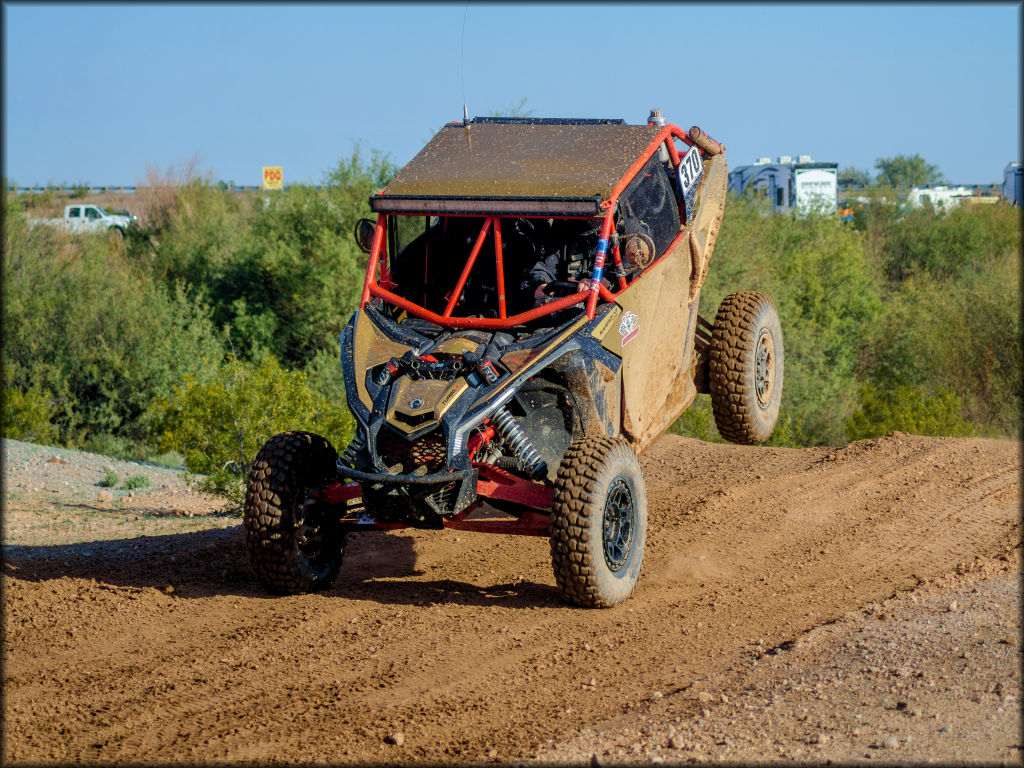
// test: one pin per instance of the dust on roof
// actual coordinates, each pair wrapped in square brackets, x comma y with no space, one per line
[523,160]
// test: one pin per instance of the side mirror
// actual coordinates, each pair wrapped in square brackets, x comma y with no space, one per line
[364,234]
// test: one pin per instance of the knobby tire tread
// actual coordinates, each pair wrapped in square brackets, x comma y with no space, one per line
[286,464]
[731,360]
[577,560]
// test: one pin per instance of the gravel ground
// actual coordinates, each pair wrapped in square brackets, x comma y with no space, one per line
[57,496]
[928,676]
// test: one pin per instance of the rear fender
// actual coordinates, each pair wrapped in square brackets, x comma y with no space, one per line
[704,231]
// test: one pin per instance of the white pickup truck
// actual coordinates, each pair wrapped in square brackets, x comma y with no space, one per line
[88,218]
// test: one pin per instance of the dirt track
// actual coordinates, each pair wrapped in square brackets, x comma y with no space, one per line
[161,648]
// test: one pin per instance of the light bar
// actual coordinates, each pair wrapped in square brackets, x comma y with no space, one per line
[523,206]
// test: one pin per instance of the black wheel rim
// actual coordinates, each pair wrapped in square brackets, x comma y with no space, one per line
[309,537]
[619,524]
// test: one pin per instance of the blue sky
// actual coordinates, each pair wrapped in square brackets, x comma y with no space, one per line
[98,93]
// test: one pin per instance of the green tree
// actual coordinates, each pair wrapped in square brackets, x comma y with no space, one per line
[906,171]
[854,175]
[355,178]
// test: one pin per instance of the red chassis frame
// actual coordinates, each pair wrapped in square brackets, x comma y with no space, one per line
[494,483]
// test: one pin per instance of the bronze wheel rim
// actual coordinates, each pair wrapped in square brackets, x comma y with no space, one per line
[764,368]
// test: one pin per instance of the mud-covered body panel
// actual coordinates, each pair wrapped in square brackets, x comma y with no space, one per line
[435,390]
[654,338]
[703,230]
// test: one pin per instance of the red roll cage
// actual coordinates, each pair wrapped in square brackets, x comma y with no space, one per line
[378,275]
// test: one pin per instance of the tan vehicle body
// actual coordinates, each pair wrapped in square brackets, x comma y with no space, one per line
[659,364]
[656,382]
[528,325]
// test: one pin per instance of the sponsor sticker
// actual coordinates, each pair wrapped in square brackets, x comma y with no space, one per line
[629,327]
[602,252]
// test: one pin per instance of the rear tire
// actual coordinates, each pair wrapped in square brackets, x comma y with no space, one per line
[598,522]
[291,551]
[745,363]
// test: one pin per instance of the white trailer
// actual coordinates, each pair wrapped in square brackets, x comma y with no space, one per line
[803,186]
[816,188]
[941,198]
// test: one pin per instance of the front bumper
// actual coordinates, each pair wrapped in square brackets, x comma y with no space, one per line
[418,500]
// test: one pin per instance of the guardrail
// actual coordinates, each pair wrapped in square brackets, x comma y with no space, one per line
[135,189]
[978,188]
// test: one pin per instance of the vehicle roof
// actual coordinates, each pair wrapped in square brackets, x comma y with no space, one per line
[526,166]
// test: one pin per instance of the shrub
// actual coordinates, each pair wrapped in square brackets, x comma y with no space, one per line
[110,479]
[171,459]
[107,444]
[698,421]
[828,296]
[39,203]
[929,243]
[291,288]
[135,482]
[87,324]
[201,230]
[27,415]
[908,409]
[220,424]
[281,268]
[962,335]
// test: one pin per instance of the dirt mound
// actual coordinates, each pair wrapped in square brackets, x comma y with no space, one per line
[161,648]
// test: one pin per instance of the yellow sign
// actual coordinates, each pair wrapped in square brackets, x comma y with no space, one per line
[272,178]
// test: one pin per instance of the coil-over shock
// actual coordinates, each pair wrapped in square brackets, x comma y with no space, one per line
[515,439]
[356,444]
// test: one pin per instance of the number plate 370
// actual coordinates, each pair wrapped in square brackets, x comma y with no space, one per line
[690,170]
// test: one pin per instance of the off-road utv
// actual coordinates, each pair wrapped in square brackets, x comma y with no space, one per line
[528,324]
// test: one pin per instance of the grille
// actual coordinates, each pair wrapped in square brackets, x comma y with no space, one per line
[428,451]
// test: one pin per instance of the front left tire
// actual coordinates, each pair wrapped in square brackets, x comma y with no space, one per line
[598,522]
[292,550]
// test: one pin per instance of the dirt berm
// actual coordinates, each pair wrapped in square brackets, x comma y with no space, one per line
[162,649]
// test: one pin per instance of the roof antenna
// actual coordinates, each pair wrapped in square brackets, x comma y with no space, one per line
[462,63]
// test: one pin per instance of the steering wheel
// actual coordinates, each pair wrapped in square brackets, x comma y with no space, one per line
[561,287]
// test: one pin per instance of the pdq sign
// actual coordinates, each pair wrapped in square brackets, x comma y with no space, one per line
[272,178]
